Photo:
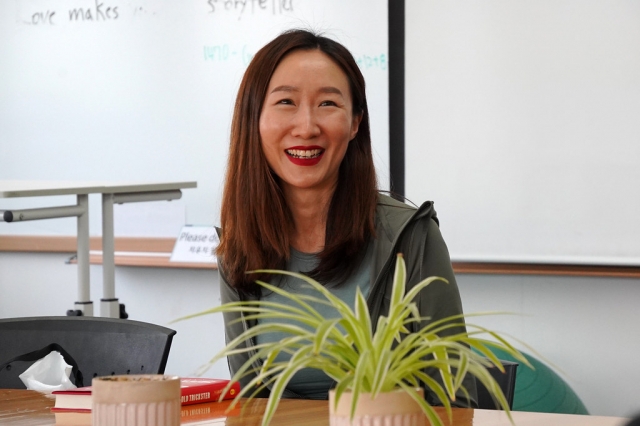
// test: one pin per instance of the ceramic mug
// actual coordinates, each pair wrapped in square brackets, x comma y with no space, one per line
[136,400]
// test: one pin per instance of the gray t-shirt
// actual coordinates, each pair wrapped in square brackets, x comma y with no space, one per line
[310,383]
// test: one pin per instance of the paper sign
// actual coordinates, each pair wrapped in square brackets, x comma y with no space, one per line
[195,244]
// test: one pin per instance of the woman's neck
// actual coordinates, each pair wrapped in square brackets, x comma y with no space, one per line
[309,210]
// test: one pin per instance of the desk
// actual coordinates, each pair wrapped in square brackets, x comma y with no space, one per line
[29,408]
[112,193]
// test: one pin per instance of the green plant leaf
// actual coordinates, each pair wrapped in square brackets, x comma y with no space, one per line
[324,329]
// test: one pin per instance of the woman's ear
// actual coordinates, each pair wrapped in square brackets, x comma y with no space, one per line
[355,124]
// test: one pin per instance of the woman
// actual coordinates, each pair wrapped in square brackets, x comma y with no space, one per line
[301,194]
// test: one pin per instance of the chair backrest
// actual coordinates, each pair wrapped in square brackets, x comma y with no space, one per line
[540,389]
[506,381]
[99,346]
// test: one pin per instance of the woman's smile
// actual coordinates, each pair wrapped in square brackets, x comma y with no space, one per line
[305,156]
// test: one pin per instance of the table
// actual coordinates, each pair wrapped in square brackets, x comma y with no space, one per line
[112,193]
[30,408]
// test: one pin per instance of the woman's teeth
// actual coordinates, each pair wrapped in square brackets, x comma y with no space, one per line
[304,153]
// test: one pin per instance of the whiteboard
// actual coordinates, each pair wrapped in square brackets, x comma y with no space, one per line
[144,90]
[523,125]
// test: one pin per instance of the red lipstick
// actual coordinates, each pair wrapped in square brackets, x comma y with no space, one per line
[304,155]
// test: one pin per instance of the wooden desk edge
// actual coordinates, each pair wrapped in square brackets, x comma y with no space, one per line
[140,251]
[67,244]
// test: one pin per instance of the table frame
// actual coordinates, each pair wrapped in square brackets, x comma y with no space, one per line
[112,193]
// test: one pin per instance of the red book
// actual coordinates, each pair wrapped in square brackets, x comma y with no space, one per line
[201,413]
[194,390]
[73,399]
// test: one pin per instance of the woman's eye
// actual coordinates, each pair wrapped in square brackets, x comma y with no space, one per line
[328,103]
[285,102]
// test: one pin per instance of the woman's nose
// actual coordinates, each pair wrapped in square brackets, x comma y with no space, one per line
[305,123]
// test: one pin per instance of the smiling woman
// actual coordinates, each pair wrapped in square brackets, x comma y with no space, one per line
[301,195]
[300,93]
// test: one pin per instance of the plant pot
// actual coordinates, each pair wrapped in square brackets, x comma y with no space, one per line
[395,408]
[136,400]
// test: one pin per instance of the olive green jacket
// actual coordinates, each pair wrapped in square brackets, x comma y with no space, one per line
[400,228]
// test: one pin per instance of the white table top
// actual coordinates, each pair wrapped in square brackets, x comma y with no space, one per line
[37,188]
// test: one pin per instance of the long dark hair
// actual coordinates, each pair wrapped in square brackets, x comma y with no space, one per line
[256,221]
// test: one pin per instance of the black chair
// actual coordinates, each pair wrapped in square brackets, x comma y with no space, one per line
[635,421]
[506,381]
[99,346]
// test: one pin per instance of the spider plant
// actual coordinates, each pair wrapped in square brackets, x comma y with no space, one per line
[359,360]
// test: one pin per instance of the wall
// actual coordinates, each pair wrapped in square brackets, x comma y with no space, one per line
[587,327]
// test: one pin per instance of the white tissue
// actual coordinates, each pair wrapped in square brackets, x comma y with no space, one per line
[48,374]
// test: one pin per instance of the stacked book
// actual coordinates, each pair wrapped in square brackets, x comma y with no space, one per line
[73,407]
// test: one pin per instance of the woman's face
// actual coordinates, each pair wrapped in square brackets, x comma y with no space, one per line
[306,121]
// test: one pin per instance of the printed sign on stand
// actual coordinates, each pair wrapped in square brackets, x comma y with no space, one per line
[196,244]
